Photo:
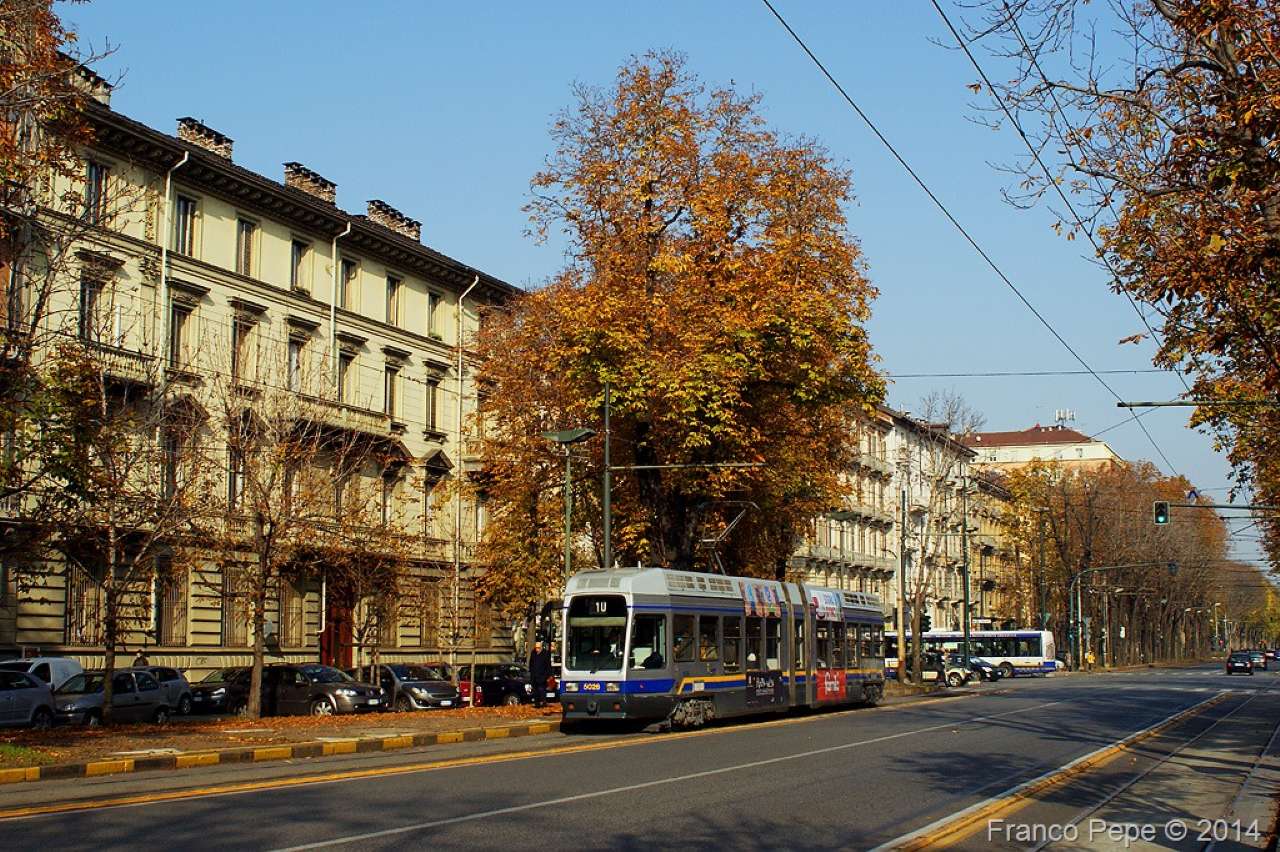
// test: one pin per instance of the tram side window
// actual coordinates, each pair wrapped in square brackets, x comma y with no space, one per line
[755,633]
[798,645]
[837,645]
[773,643]
[649,642]
[686,652]
[732,643]
[868,635]
[822,639]
[708,638]
[853,634]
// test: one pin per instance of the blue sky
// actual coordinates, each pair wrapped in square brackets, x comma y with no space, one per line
[442,110]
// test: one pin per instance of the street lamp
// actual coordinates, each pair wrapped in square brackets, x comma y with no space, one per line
[1075,608]
[566,438]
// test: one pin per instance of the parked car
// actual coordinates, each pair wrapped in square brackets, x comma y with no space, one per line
[1239,661]
[177,691]
[984,669]
[949,670]
[411,687]
[496,683]
[54,671]
[25,701]
[136,697]
[1270,654]
[296,690]
[1259,660]
[221,691]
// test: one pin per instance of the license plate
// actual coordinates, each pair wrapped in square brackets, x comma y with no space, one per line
[446,703]
[374,701]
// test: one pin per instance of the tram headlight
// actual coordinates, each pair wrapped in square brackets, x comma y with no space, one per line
[613,687]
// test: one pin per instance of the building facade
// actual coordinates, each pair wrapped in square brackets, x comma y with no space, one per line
[192,271]
[1059,444]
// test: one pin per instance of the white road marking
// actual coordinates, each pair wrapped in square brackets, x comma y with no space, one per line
[472,817]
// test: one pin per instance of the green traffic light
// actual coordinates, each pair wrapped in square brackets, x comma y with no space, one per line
[1162,511]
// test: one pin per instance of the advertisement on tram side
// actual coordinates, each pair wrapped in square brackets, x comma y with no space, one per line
[761,599]
[825,605]
[831,684]
[766,689]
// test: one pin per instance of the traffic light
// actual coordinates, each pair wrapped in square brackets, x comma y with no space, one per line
[1162,511]
[926,622]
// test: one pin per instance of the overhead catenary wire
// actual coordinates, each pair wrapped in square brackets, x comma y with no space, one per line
[964,232]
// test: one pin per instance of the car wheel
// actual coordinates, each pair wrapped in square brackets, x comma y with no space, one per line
[161,716]
[1006,669]
[955,679]
[511,699]
[321,707]
[403,705]
[184,706]
[42,719]
[236,708]
[93,720]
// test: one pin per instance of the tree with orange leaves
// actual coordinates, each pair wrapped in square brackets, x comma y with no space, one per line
[712,281]
[1170,141]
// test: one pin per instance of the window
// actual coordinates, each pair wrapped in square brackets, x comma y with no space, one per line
[430,395]
[291,632]
[295,363]
[708,638]
[346,377]
[246,231]
[300,253]
[433,307]
[171,449]
[394,286]
[428,612]
[389,400]
[387,497]
[171,604]
[179,335]
[686,652]
[388,624]
[184,226]
[235,477]
[484,628]
[348,296]
[732,643]
[95,193]
[91,310]
[122,684]
[755,635]
[837,645]
[84,607]
[244,350]
[649,642]
[235,615]
[431,478]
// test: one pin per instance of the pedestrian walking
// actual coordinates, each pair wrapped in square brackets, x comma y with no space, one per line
[141,659]
[539,673]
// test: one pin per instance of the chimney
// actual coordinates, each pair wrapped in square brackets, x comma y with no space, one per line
[92,83]
[382,213]
[198,133]
[300,177]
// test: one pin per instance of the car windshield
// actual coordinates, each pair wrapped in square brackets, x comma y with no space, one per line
[326,674]
[597,625]
[415,672]
[1239,658]
[221,676]
[83,682]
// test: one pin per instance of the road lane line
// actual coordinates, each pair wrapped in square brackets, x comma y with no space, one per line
[241,788]
[595,794]
[953,826]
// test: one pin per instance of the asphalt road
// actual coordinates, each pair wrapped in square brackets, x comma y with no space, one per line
[846,780]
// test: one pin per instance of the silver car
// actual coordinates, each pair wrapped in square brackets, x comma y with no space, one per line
[177,691]
[25,701]
[136,696]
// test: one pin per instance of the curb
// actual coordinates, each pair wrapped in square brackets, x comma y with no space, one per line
[261,754]
[951,829]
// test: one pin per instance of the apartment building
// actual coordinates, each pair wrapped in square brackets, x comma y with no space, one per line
[1058,444]
[194,271]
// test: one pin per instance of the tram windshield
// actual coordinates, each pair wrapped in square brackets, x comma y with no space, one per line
[597,628]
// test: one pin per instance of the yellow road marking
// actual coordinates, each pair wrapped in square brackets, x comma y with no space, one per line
[970,822]
[429,766]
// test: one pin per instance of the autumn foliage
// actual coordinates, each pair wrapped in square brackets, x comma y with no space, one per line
[712,281]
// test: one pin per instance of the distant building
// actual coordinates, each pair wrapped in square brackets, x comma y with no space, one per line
[1061,444]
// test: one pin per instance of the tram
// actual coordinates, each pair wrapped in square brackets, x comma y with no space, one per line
[686,647]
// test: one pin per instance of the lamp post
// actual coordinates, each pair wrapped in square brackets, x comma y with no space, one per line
[566,438]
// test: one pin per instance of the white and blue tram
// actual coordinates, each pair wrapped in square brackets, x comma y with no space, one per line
[650,643]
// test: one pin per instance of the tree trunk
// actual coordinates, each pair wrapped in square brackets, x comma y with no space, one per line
[254,708]
[110,626]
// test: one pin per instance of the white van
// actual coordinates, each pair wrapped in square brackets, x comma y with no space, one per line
[54,671]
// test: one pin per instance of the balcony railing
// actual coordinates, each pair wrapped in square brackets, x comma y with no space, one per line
[123,363]
[876,463]
[352,417]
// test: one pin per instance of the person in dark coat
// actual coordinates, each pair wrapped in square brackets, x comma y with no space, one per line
[539,673]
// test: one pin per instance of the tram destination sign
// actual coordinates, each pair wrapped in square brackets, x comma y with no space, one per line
[766,689]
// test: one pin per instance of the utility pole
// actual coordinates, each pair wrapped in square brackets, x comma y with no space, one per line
[1040,592]
[902,589]
[606,498]
[964,556]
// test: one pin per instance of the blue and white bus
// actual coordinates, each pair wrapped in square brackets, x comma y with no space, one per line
[1012,652]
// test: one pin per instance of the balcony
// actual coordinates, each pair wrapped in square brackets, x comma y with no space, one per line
[880,465]
[122,363]
[441,550]
[472,455]
[351,417]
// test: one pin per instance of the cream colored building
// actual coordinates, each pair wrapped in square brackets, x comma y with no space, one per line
[1060,444]
[195,269]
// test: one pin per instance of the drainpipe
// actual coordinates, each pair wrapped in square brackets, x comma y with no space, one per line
[457,497]
[164,263]
[333,310]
